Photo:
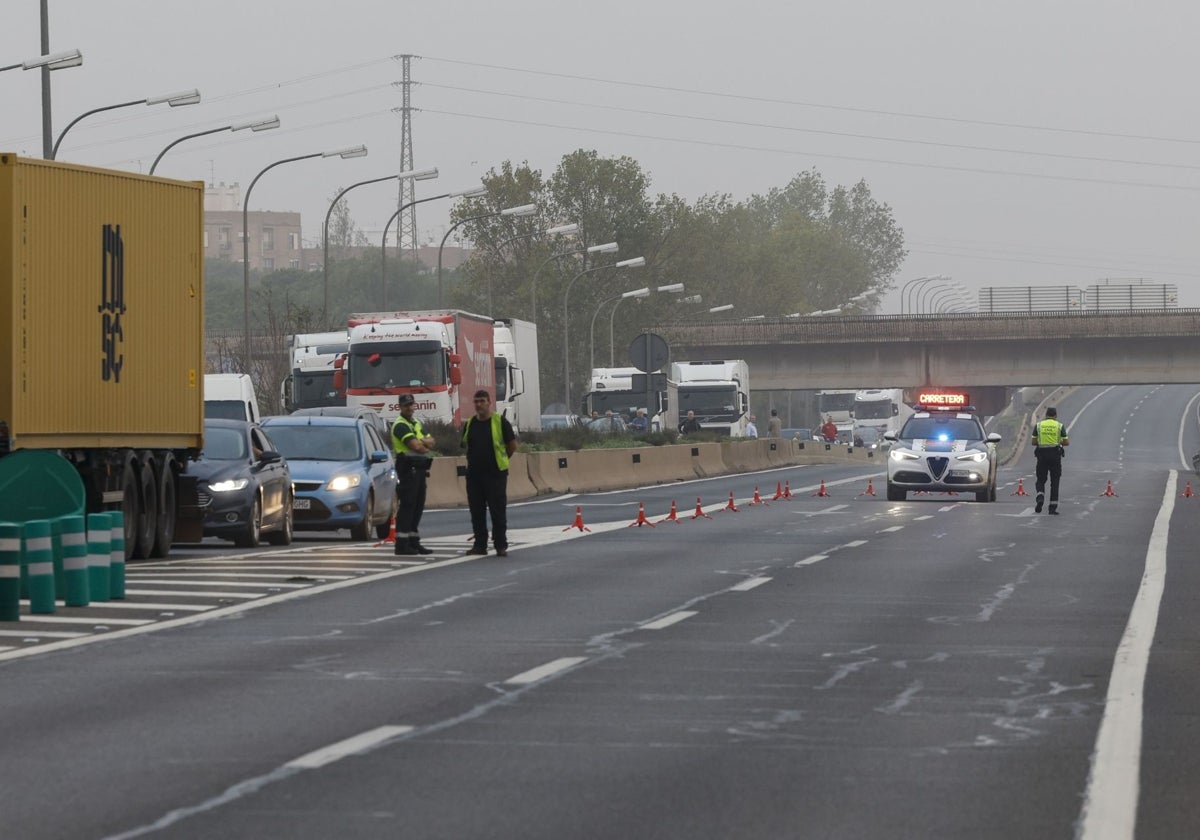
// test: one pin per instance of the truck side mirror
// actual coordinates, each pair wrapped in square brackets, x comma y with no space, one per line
[455,375]
[518,383]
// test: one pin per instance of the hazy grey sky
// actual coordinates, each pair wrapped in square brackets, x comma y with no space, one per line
[1069,143]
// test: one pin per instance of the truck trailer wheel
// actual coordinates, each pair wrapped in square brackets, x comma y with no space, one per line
[164,531]
[147,523]
[131,505]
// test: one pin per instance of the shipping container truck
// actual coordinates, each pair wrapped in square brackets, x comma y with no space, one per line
[518,393]
[440,357]
[102,344]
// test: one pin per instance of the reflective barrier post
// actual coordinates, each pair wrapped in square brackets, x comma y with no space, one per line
[56,546]
[10,572]
[39,562]
[116,568]
[99,555]
[75,562]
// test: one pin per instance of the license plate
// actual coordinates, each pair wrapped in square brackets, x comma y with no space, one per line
[301,504]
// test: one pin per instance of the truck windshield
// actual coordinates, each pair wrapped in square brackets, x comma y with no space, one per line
[618,402]
[388,370]
[716,403]
[873,409]
[315,390]
[835,402]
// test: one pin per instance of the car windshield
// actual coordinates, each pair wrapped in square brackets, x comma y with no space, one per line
[225,410]
[223,444]
[942,428]
[606,424]
[317,443]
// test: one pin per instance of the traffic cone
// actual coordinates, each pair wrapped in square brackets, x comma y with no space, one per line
[390,539]
[641,519]
[672,516]
[870,491]
[821,491]
[787,489]
[778,491]
[578,523]
[700,511]
[758,500]
[1187,491]
[1020,491]
[1108,491]
[730,505]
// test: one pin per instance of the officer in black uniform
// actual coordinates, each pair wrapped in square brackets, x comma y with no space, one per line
[413,448]
[1049,440]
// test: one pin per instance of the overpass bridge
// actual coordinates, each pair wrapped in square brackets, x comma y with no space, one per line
[962,350]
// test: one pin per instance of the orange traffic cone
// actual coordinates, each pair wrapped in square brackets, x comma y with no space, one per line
[672,516]
[390,539]
[758,500]
[700,511]
[787,489]
[870,491]
[1187,491]
[821,491]
[778,491]
[730,505]
[578,523]
[641,519]
[1108,491]
[1020,491]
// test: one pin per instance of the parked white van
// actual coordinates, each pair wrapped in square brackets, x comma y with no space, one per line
[230,396]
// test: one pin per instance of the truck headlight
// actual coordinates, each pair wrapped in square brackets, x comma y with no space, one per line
[229,484]
[343,482]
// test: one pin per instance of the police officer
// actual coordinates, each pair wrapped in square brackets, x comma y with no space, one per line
[1049,440]
[413,448]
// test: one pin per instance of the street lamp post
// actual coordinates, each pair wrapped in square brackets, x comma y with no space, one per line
[557,230]
[263,124]
[722,308]
[606,248]
[416,175]
[352,152]
[175,100]
[55,61]
[636,293]
[612,319]
[636,262]
[522,210]
[468,193]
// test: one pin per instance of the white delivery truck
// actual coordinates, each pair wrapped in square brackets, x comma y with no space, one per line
[230,396]
[518,393]
[717,391]
[310,384]
[881,409]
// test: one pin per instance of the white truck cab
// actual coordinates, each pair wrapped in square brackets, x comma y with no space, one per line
[230,396]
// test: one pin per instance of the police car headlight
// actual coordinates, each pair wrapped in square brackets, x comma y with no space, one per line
[901,455]
[229,485]
[972,456]
[343,482]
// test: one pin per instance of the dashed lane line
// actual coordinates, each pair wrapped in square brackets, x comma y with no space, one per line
[668,620]
[542,671]
[749,583]
[808,561]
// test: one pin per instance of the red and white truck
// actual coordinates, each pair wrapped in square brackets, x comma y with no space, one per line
[441,357]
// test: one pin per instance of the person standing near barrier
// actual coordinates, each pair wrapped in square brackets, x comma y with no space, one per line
[774,425]
[1049,442]
[413,460]
[691,425]
[490,441]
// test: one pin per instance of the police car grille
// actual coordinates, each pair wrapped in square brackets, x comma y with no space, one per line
[937,466]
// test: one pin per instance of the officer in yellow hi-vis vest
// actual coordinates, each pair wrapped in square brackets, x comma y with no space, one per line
[1049,441]
[413,450]
[490,441]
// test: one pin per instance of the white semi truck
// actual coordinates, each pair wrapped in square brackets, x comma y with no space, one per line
[717,391]
[310,384]
[881,409]
[612,389]
[838,406]
[518,394]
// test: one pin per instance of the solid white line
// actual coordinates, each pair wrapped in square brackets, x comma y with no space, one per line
[314,573]
[749,583]
[175,593]
[138,579]
[65,619]
[543,671]
[808,561]
[44,634]
[348,747]
[125,605]
[892,529]
[1110,804]
[668,620]
[331,567]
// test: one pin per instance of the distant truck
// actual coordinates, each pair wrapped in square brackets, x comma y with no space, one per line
[440,357]
[612,389]
[101,346]
[230,396]
[838,405]
[518,392]
[310,383]
[881,409]
[717,391]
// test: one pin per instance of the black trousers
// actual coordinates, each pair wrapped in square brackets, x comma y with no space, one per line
[487,493]
[1049,463]
[410,497]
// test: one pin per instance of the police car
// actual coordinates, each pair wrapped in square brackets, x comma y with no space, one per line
[942,448]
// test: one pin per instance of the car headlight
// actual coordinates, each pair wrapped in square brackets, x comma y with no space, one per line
[902,455]
[229,485]
[972,456]
[343,482]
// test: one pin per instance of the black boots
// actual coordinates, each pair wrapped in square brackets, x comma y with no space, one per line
[1041,497]
[411,547]
[415,543]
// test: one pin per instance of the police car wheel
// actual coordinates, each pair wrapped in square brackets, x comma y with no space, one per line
[896,494]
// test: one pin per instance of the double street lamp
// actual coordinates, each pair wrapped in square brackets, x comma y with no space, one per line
[54,61]
[606,248]
[636,262]
[416,175]
[175,100]
[261,124]
[557,230]
[351,152]
[522,210]
[612,318]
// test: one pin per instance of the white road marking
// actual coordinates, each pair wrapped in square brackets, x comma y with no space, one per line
[853,544]
[70,619]
[125,605]
[331,566]
[175,593]
[808,561]
[946,508]
[210,573]
[892,529]
[173,581]
[749,583]
[923,518]
[668,620]
[1111,801]
[36,634]
[4,648]
[348,747]
[543,671]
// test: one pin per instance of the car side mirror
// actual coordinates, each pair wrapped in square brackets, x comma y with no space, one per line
[994,437]
[269,456]
[380,457]
[889,435]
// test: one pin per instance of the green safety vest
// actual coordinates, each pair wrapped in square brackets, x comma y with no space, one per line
[413,430]
[1049,433]
[497,439]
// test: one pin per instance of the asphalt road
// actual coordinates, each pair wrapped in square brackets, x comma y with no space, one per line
[826,667]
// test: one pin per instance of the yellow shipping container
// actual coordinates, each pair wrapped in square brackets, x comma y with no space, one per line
[101,308]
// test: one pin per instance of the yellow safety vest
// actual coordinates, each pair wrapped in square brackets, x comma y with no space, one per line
[413,428]
[1049,433]
[497,440]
